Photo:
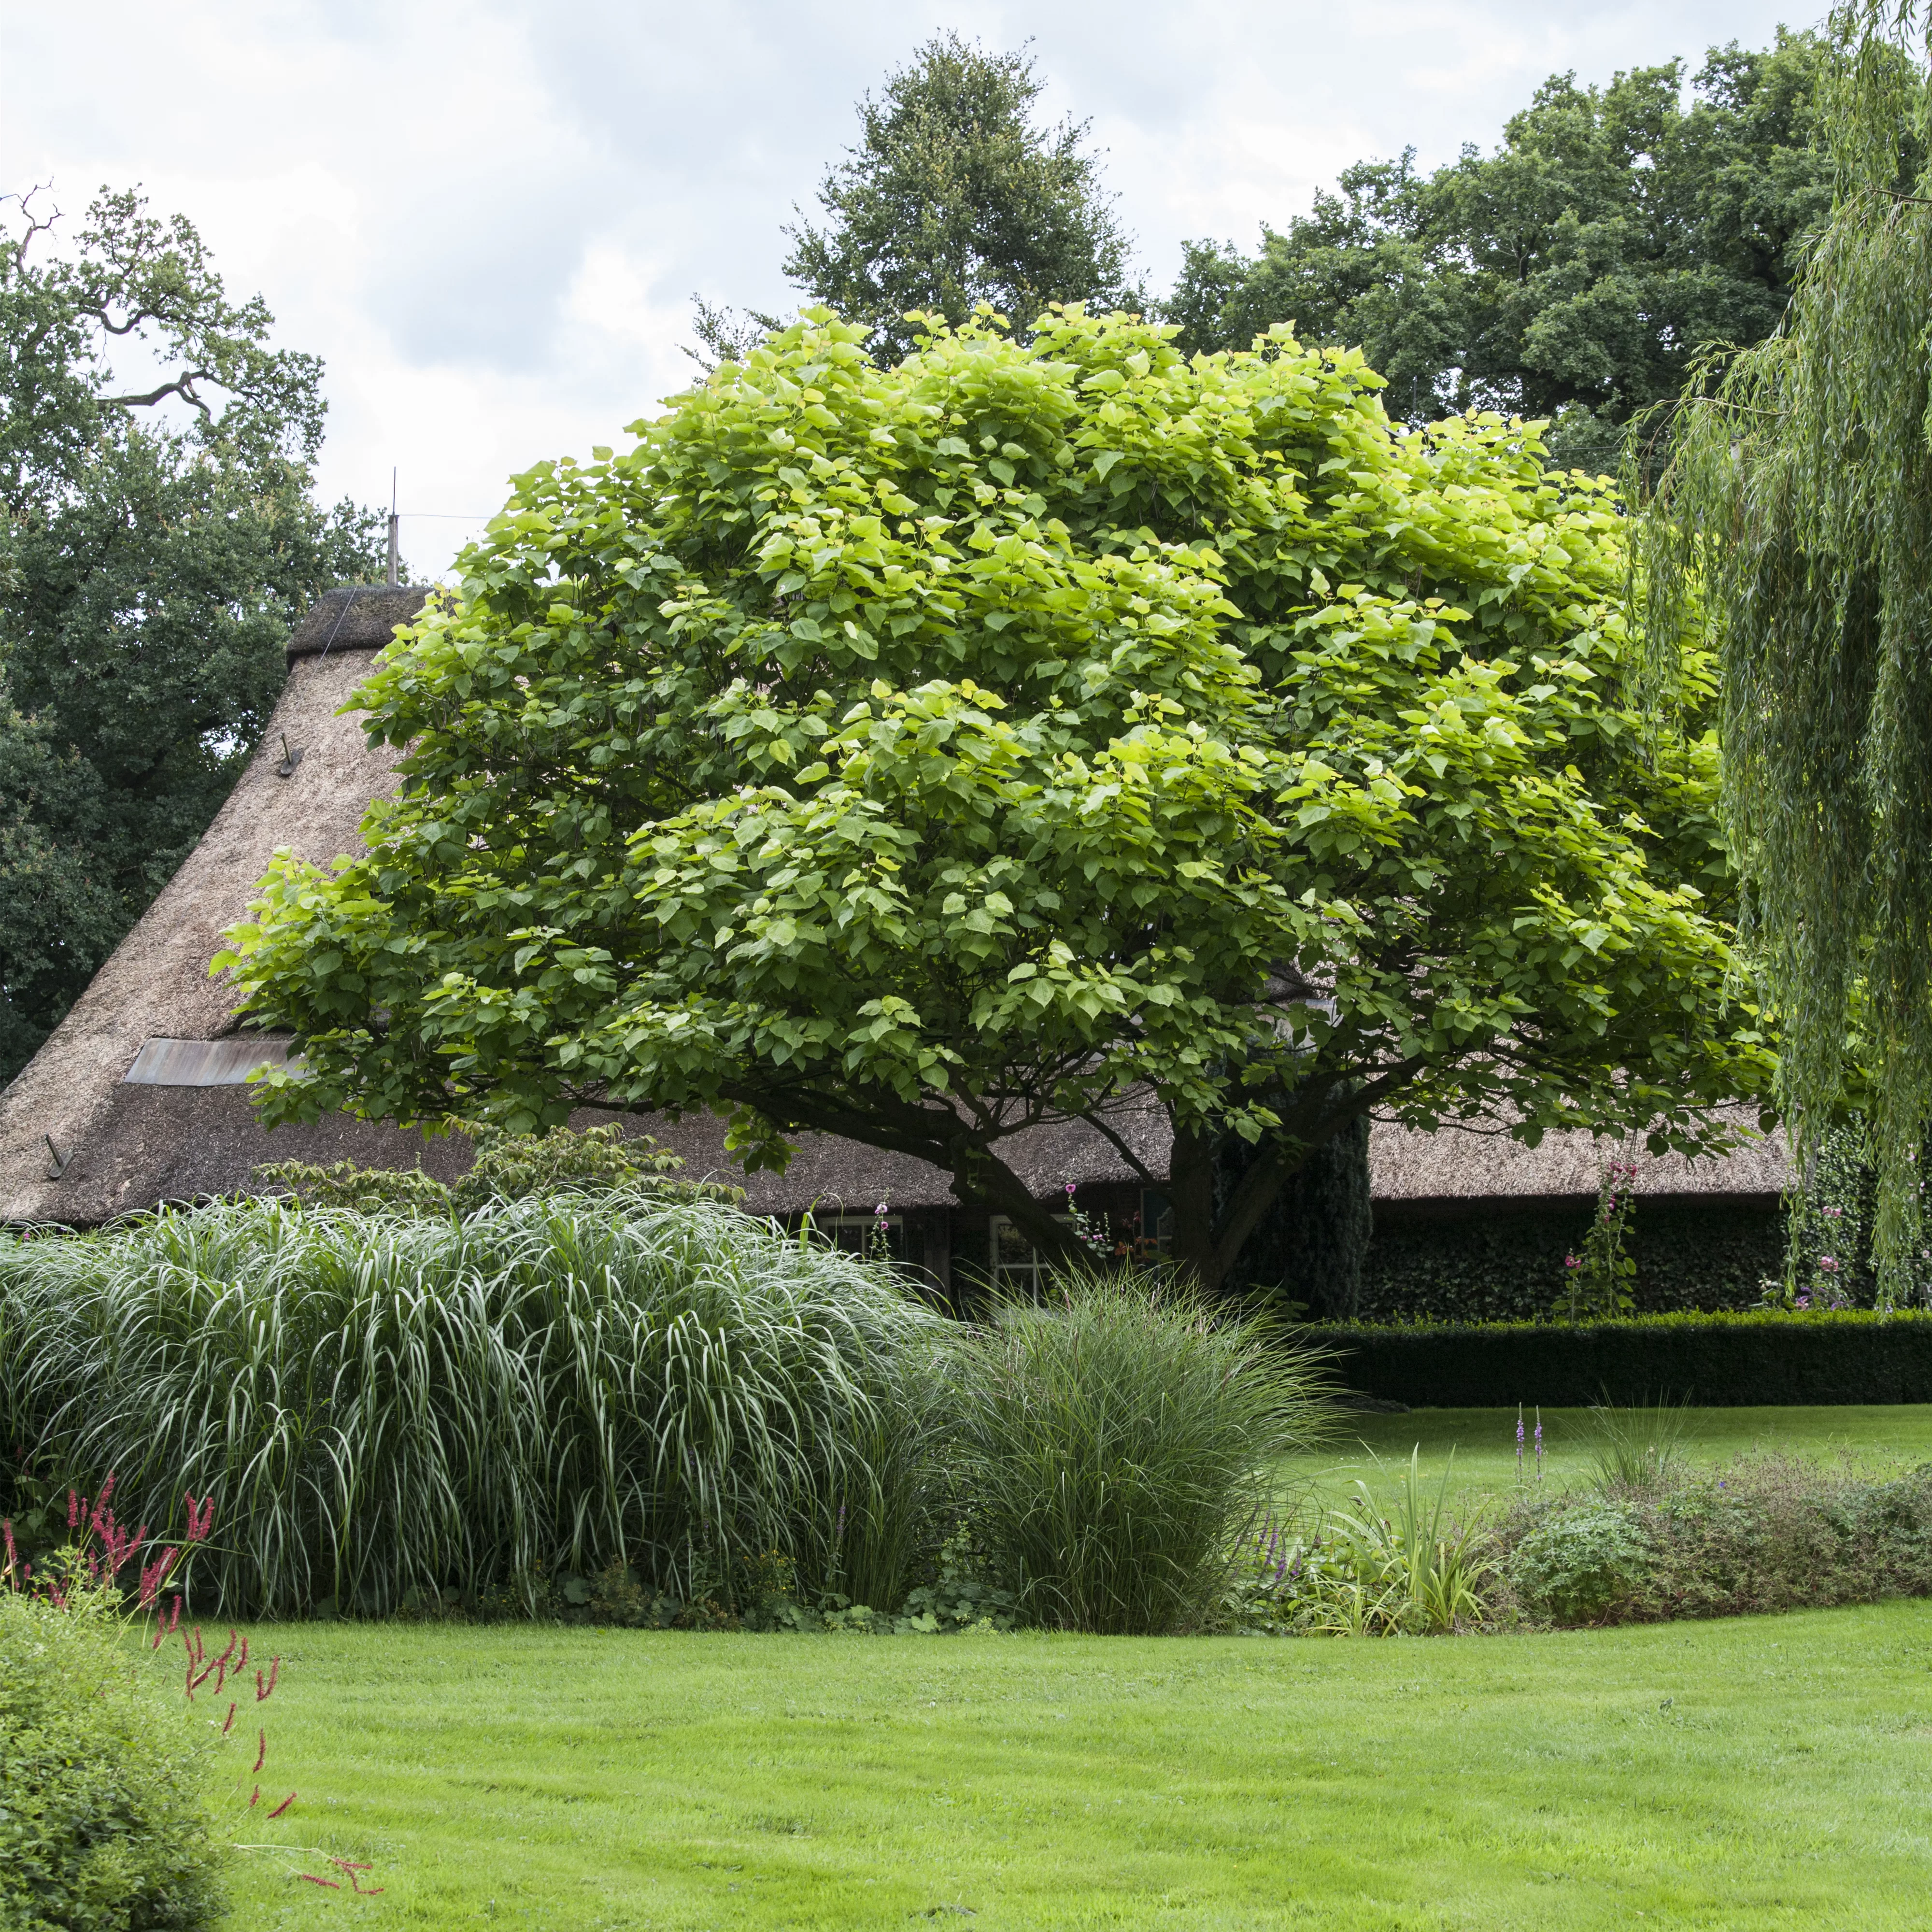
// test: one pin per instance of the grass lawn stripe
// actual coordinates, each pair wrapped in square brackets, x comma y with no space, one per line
[1759,1772]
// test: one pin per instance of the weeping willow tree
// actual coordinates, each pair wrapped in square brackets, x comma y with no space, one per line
[1793,525]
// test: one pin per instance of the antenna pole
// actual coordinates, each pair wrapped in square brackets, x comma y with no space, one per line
[392,529]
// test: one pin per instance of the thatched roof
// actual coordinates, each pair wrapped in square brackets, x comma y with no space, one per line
[180,1127]
[1451,1168]
[1459,1164]
[124,1146]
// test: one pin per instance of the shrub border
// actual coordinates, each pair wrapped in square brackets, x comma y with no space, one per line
[1720,1361]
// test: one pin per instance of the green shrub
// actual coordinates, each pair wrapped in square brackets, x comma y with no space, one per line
[507,1167]
[1578,1565]
[1115,1441]
[102,1825]
[1768,1533]
[382,1403]
[1766,1358]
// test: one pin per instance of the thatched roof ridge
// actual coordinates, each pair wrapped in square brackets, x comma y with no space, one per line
[355,617]
[1461,1164]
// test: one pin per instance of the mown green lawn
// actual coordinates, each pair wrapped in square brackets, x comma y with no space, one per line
[1483,1441]
[1765,1772]
[1761,1773]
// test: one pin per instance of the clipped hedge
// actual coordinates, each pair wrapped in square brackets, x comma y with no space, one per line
[1719,1360]
[1508,1266]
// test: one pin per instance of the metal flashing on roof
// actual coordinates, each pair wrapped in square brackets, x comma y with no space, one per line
[203,1063]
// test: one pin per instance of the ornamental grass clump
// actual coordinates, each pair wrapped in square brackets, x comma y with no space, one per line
[1117,1440]
[1635,1449]
[384,1403]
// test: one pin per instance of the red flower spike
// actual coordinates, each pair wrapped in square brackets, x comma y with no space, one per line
[254,1798]
[268,1690]
[242,1662]
[106,1490]
[228,1723]
[232,1640]
[261,1756]
[72,1509]
[154,1575]
[334,1884]
[283,1806]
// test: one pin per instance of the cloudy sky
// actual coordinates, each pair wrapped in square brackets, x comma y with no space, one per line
[489,218]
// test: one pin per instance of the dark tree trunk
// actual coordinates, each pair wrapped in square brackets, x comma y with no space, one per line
[1308,1247]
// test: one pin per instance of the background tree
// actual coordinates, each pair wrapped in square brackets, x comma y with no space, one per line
[1570,275]
[1794,521]
[157,542]
[920,753]
[954,196]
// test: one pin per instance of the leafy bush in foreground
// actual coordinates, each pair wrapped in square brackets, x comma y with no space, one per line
[1116,1440]
[388,1402]
[101,1827]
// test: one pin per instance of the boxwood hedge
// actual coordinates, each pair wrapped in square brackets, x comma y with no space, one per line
[1721,1360]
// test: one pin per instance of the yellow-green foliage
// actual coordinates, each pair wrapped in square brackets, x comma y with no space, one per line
[103,1826]
[913,752]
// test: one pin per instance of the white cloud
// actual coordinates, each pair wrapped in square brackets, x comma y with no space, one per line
[488,218]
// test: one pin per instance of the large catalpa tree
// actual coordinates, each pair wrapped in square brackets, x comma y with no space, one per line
[918,753]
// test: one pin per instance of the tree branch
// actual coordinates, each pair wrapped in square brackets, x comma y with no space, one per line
[181,386]
[1121,1147]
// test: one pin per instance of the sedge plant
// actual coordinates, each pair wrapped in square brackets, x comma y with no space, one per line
[1635,1447]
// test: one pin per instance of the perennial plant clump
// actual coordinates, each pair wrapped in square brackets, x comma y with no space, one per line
[1116,1440]
[1405,1568]
[390,1402]
[1765,1533]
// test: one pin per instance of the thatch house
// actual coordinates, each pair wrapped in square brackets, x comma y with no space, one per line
[138,1097]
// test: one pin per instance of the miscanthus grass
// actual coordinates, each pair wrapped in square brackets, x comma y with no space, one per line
[384,1402]
[1117,1440]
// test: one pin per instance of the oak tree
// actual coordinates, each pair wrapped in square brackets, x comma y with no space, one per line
[158,541]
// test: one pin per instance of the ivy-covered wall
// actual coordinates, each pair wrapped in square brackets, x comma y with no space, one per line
[1509,1266]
